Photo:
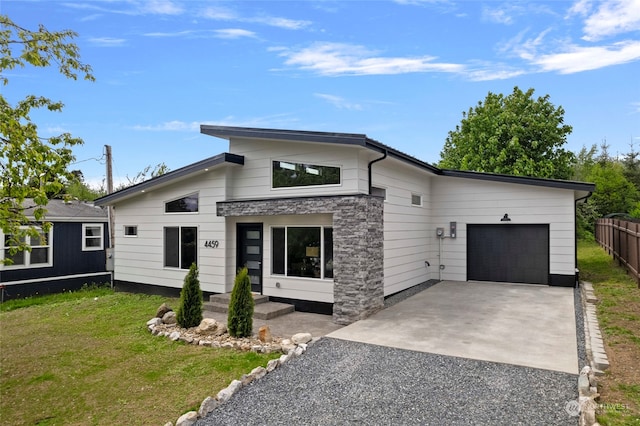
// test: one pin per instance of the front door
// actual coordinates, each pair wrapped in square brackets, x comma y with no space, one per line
[250,252]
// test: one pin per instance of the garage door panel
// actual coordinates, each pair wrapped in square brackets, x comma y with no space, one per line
[508,253]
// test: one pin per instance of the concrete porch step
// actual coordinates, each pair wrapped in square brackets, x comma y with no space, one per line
[263,309]
[225,297]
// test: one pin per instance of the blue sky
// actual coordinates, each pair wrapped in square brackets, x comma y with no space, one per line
[401,72]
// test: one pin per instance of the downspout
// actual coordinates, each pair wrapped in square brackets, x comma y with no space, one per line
[370,169]
[575,232]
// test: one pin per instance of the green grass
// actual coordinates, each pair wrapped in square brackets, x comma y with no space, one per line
[618,312]
[91,290]
[88,358]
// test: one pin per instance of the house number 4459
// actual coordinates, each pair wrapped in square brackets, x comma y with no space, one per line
[211,243]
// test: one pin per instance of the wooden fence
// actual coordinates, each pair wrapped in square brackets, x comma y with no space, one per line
[621,239]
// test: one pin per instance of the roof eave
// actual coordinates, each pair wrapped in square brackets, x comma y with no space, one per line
[164,179]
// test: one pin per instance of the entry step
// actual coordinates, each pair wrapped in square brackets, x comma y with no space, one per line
[263,308]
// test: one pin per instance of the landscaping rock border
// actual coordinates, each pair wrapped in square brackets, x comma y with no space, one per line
[211,333]
[596,354]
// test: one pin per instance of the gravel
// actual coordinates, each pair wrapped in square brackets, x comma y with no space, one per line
[342,382]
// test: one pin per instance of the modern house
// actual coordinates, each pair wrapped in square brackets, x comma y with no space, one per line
[335,222]
[69,255]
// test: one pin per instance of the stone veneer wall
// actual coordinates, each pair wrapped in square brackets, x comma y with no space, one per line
[358,245]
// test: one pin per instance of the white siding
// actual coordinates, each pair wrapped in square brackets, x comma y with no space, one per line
[406,227]
[253,180]
[470,201]
[141,259]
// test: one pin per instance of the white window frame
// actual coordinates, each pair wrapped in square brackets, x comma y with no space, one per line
[85,236]
[134,227]
[27,254]
[286,252]
[413,194]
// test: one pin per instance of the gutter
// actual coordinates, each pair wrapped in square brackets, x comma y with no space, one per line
[575,232]
[370,169]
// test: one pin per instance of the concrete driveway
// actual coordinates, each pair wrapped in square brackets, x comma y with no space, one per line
[526,325]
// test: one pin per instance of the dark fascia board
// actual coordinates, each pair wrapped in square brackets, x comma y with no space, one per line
[171,176]
[522,180]
[226,132]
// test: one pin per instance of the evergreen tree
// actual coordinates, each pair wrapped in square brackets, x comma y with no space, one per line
[189,313]
[240,318]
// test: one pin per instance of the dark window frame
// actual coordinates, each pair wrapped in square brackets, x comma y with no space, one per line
[187,204]
[291,174]
[288,259]
[182,251]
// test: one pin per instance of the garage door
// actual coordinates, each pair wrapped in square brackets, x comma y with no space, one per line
[508,253]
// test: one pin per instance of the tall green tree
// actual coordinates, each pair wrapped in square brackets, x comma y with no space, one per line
[32,167]
[515,134]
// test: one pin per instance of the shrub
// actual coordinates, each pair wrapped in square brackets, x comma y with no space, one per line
[189,313]
[240,318]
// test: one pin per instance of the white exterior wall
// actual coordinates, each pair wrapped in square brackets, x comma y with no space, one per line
[141,259]
[472,201]
[407,230]
[319,290]
[253,180]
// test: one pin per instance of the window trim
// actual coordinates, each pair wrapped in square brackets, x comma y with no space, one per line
[196,193]
[286,252]
[124,231]
[164,247]
[27,254]
[325,185]
[85,236]
[413,194]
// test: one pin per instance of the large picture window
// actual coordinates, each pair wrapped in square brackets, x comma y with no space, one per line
[180,246]
[41,253]
[287,174]
[302,251]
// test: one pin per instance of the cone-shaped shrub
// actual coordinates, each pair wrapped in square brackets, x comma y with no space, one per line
[240,318]
[189,313]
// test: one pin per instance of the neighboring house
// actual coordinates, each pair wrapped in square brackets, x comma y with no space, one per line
[70,255]
[335,222]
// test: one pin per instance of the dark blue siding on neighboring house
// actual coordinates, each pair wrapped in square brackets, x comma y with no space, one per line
[68,260]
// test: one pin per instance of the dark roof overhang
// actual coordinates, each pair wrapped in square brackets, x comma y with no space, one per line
[171,177]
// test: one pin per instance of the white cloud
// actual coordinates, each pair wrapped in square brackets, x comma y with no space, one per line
[287,24]
[171,126]
[107,41]
[500,16]
[339,102]
[581,7]
[612,18]
[233,33]
[636,108]
[229,33]
[160,7]
[577,58]
[333,59]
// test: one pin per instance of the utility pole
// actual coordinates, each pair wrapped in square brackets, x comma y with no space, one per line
[109,191]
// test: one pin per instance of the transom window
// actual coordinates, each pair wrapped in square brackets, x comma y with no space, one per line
[41,253]
[188,204]
[288,174]
[92,236]
[302,251]
[180,246]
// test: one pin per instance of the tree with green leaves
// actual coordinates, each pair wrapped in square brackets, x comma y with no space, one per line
[189,313]
[241,304]
[514,135]
[32,168]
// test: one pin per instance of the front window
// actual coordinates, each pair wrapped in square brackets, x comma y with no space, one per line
[188,204]
[180,246]
[288,174]
[92,236]
[41,253]
[302,251]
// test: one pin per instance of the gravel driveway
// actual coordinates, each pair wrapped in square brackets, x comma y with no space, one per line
[343,382]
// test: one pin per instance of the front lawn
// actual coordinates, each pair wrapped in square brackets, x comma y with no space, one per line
[619,316]
[89,359]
